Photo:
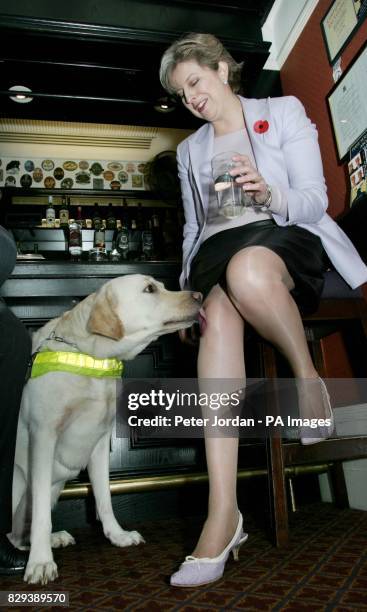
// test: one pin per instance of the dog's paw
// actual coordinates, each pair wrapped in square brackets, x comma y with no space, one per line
[61,539]
[125,538]
[40,573]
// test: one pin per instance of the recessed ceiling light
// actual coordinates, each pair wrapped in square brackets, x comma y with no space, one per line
[165,105]
[22,98]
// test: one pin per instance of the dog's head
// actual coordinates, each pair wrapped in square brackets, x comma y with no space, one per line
[138,309]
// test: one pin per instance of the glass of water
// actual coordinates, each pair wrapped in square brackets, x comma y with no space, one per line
[229,193]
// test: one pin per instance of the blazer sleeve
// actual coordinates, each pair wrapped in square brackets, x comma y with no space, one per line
[191,226]
[306,195]
[8,254]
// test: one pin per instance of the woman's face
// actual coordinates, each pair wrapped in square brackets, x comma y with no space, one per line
[201,89]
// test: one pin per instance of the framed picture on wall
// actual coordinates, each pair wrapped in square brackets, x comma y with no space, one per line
[340,23]
[357,169]
[347,105]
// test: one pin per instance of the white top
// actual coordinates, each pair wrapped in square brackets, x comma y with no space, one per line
[234,141]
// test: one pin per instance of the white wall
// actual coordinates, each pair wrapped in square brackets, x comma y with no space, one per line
[283,26]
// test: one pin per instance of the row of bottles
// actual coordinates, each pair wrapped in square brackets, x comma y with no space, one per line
[147,243]
[136,236]
[95,222]
[110,217]
[127,244]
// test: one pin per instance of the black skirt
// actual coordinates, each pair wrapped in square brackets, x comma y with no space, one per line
[301,251]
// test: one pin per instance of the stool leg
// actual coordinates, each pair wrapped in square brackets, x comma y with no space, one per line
[338,484]
[277,493]
[274,453]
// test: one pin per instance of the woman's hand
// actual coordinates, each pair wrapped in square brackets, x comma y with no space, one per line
[252,182]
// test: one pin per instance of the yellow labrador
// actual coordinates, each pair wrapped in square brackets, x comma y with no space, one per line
[66,418]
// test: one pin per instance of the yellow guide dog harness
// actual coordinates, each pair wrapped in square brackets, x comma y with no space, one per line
[44,361]
[75,363]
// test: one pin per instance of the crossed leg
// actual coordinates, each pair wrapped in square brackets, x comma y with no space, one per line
[259,285]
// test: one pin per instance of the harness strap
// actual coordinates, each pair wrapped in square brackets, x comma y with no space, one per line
[75,363]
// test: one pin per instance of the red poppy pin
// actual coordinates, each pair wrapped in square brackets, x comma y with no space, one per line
[261,126]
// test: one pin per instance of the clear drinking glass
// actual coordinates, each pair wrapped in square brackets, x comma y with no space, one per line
[229,193]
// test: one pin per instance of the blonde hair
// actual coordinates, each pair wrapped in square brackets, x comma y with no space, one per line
[206,50]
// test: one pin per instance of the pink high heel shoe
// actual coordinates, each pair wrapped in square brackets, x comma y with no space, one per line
[195,571]
[328,429]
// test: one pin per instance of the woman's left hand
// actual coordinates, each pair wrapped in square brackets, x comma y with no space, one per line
[252,182]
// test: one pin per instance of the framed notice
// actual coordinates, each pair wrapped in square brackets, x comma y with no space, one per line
[347,105]
[340,23]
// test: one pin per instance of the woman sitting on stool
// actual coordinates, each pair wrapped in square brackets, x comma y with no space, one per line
[260,267]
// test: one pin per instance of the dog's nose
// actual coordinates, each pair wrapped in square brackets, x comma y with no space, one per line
[197,296]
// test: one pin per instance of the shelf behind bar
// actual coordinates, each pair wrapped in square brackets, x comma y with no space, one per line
[126,193]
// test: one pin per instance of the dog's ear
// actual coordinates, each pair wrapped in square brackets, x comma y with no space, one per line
[103,319]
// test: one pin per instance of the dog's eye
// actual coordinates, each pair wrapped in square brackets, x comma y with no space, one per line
[150,289]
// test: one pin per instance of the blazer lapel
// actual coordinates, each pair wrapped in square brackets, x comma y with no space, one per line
[201,152]
[262,142]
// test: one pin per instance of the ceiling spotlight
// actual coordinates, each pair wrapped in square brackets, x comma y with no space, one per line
[165,105]
[20,97]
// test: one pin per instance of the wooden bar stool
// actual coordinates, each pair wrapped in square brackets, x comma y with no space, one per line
[339,306]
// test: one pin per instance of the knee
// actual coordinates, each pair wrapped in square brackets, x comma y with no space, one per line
[250,278]
[221,315]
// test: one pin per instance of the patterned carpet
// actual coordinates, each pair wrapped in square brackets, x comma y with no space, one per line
[324,568]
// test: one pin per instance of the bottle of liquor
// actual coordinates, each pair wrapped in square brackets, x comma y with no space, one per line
[99,238]
[157,237]
[139,217]
[134,241]
[96,217]
[122,242]
[110,219]
[75,240]
[125,214]
[147,241]
[64,212]
[79,217]
[121,236]
[115,254]
[50,213]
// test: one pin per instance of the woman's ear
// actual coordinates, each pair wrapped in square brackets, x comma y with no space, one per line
[223,71]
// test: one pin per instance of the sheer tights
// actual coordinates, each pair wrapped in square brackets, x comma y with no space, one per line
[258,285]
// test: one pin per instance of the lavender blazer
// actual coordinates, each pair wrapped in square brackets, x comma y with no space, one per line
[288,156]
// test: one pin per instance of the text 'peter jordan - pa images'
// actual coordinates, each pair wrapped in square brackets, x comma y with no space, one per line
[185,408]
